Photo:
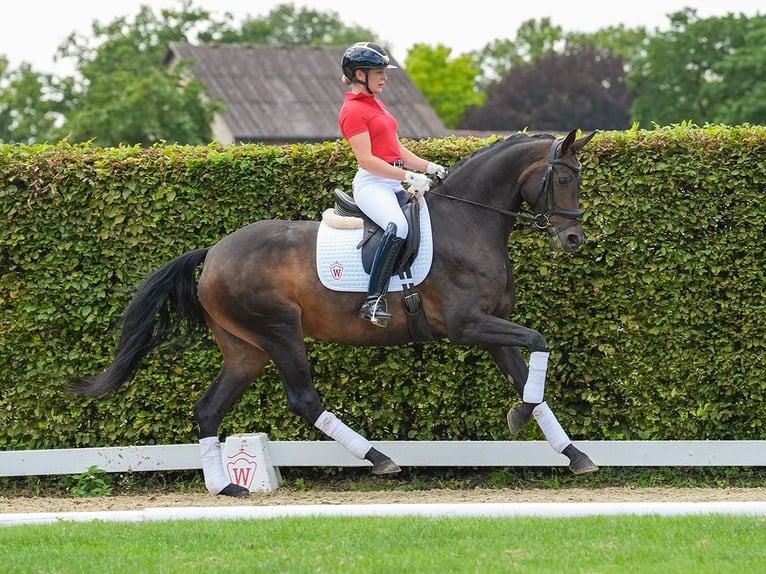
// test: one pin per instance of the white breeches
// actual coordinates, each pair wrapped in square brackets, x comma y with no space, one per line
[378,197]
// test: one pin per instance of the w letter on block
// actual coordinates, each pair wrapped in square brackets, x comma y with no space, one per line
[247,462]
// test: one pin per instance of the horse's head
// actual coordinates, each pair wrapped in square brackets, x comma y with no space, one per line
[554,198]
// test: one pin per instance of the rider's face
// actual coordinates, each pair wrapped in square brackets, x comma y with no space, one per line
[376,79]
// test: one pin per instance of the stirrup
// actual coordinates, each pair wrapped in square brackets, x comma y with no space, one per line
[375,311]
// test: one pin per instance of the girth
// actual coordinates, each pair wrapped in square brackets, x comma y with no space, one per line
[372,234]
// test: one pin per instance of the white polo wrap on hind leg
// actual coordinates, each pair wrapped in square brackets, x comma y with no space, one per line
[212,465]
[333,427]
[534,388]
[551,427]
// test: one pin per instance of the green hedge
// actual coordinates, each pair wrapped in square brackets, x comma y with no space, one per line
[656,325]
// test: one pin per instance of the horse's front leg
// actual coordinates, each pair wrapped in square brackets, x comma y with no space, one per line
[515,369]
[489,332]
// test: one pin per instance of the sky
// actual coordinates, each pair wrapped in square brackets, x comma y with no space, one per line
[32,30]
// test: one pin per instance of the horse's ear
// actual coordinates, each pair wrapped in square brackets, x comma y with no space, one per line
[568,141]
[578,144]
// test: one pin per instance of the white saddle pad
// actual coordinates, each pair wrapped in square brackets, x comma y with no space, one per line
[339,262]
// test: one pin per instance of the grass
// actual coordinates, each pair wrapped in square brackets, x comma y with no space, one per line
[637,544]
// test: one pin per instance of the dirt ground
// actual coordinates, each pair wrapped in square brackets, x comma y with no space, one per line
[283,496]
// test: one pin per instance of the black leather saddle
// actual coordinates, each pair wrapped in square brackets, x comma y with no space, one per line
[373,233]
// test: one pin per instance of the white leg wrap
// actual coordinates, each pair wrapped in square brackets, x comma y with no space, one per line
[534,388]
[551,427]
[355,443]
[212,465]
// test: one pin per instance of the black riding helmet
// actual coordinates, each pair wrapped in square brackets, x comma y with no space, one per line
[363,56]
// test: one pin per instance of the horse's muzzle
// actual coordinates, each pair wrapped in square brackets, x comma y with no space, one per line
[569,238]
[573,240]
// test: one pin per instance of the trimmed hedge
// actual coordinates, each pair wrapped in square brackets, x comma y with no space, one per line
[656,325]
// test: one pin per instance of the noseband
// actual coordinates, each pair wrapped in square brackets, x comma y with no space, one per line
[541,220]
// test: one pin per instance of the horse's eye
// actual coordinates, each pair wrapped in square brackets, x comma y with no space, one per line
[563,180]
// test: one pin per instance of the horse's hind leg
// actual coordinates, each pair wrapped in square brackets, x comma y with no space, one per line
[289,355]
[242,363]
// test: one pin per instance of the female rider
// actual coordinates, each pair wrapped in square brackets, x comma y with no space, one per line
[370,130]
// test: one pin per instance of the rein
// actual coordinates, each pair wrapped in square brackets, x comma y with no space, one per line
[541,221]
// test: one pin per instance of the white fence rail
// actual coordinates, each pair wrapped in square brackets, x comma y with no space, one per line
[404,453]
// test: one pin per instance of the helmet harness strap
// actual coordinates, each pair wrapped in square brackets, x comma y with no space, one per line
[366,82]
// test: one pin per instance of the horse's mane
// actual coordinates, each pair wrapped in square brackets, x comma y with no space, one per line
[501,144]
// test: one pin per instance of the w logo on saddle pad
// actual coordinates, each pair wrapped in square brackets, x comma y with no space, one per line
[339,256]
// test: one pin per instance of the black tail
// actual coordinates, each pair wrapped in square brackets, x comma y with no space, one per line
[164,304]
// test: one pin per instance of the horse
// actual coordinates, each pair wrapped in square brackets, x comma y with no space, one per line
[259,295]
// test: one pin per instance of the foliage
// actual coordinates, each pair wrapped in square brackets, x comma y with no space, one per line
[125,95]
[581,87]
[703,70]
[157,106]
[627,43]
[544,71]
[534,40]
[93,482]
[288,25]
[29,110]
[447,83]
[655,334]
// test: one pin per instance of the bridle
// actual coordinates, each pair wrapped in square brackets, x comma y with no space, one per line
[541,221]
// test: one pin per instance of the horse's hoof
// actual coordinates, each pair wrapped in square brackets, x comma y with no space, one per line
[235,490]
[381,464]
[579,462]
[585,466]
[518,416]
[386,467]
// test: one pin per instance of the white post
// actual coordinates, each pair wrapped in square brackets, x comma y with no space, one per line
[247,462]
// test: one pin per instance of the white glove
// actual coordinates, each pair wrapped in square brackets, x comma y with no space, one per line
[418,181]
[436,169]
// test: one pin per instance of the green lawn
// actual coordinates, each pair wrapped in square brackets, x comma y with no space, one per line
[602,544]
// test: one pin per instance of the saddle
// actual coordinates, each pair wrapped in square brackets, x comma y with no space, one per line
[373,233]
[371,237]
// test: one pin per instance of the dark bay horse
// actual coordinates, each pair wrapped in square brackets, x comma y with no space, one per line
[260,296]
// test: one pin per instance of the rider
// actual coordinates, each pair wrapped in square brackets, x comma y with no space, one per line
[370,130]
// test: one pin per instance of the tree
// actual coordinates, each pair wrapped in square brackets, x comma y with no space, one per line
[703,70]
[627,43]
[534,39]
[287,25]
[30,108]
[582,88]
[125,95]
[744,78]
[537,40]
[447,84]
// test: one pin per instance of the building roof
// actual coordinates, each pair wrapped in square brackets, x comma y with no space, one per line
[281,94]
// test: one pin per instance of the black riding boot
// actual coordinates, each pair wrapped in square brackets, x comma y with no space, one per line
[374,308]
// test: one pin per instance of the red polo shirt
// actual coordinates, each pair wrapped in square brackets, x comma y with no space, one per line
[364,113]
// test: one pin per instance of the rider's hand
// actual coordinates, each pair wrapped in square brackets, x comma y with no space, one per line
[417,181]
[436,169]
